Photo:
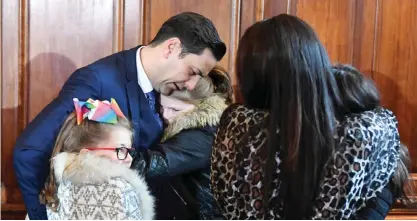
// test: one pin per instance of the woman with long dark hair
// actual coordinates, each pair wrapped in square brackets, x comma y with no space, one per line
[290,151]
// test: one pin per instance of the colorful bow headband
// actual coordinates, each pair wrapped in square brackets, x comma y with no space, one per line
[95,110]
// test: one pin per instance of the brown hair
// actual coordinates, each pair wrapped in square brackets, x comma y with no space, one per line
[72,138]
[403,186]
[357,92]
[217,82]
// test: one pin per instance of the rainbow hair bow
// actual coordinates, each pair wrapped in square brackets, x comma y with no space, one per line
[99,111]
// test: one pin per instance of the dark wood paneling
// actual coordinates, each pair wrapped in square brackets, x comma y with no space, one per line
[257,10]
[64,35]
[44,41]
[364,35]
[395,65]
[276,7]
[13,212]
[334,23]
[133,18]
[10,95]
[1,75]
[252,10]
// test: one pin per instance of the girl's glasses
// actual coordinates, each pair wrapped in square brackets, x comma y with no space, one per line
[121,151]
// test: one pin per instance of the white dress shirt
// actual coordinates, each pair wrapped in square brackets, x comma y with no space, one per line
[143,79]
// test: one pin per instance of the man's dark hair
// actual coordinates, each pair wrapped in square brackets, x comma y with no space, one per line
[195,32]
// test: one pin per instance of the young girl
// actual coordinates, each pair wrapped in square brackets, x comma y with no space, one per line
[89,175]
[359,93]
[183,156]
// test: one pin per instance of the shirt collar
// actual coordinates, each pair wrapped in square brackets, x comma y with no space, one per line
[143,79]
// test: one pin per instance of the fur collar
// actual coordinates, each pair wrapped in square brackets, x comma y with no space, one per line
[88,168]
[206,113]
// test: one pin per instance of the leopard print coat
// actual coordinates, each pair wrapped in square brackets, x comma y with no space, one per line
[361,166]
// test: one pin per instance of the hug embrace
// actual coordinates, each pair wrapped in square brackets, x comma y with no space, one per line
[151,133]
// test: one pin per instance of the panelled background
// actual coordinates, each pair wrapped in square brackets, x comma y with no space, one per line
[44,41]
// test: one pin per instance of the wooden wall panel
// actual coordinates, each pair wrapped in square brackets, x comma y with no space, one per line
[56,49]
[10,97]
[44,41]
[334,23]
[257,10]
[364,35]
[346,28]
[252,11]
[275,7]
[396,65]
[133,19]
[3,190]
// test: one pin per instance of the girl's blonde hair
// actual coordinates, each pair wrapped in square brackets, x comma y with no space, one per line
[217,82]
[72,138]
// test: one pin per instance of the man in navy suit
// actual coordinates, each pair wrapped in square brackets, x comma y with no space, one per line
[186,47]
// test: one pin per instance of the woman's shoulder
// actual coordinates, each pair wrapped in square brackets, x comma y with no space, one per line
[240,122]
[363,163]
[241,108]
[378,119]
[374,127]
[378,115]
[241,114]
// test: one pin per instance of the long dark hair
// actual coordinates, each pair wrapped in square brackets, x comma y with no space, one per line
[217,82]
[282,67]
[358,92]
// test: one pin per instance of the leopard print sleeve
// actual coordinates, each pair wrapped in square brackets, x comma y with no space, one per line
[362,165]
[223,146]
[360,168]
[236,163]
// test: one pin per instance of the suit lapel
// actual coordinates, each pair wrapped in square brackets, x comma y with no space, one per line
[144,123]
[133,90]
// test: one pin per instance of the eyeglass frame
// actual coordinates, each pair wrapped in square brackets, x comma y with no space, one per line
[129,150]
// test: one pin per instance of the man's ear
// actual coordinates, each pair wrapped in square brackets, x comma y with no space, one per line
[171,46]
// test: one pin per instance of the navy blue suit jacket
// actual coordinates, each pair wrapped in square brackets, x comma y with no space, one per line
[115,77]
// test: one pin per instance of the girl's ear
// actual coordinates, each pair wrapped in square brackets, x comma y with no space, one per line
[83,151]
